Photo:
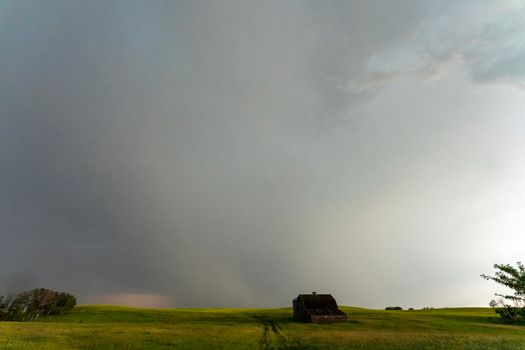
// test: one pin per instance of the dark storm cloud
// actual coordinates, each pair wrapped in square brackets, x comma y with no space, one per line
[211,153]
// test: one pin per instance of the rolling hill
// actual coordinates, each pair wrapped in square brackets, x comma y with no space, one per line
[110,327]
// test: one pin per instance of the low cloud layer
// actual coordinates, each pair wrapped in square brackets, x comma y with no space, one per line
[237,153]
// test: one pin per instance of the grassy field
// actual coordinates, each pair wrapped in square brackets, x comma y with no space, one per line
[109,327]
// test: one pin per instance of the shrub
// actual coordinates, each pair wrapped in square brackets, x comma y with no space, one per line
[393,308]
[30,305]
[511,313]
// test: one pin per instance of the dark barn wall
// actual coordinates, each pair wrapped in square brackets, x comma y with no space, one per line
[317,308]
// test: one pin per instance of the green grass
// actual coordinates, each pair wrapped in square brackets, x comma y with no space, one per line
[109,327]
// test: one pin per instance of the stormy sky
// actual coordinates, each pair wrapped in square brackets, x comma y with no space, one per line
[237,153]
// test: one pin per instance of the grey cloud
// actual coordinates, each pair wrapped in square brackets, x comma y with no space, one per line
[149,144]
[486,39]
[375,81]
[498,54]
[208,153]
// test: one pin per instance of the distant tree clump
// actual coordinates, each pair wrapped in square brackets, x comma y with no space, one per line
[393,308]
[510,307]
[32,304]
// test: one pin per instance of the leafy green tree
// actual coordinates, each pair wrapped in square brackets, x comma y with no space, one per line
[32,304]
[511,307]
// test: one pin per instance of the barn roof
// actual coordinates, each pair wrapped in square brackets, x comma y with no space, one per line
[318,301]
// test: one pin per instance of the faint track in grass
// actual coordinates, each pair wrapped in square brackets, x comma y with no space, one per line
[272,336]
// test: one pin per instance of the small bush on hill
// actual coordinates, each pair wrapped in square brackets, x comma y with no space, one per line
[393,308]
[510,313]
[30,305]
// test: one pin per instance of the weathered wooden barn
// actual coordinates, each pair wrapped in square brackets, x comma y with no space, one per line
[317,308]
